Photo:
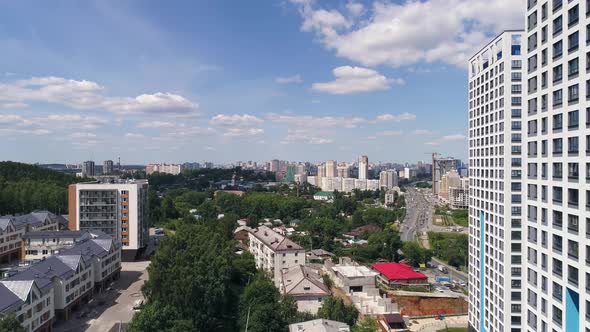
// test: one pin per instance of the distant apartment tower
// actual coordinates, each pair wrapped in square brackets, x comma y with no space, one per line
[88,168]
[173,169]
[343,171]
[496,273]
[363,167]
[440,166]
[557,200]
[331,167]
[388,179]
[117,209]
[274,165]
[107,167]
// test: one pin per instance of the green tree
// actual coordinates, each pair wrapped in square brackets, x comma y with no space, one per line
[368,324]
[328,281]
[335,309]
[155,317]
[262,308]
[416,254]
[10,324]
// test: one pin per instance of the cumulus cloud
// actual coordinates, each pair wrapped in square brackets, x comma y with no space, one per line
[316,121]
[406,116]
[410,32]
[82,135]
[243,132]
[156,124]
[306,136]
[350,80]
[236,120]
[289,80]
[447,138]
[90,95]
[134,135]
[391,133]
[355,8]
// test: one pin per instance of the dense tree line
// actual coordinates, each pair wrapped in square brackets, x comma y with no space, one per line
[24,188]
[205,178]
[451,247]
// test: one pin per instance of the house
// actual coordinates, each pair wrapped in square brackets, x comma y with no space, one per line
[241,234]
[41,244]
[10,240]
[306,286]
[242,222]
[399,275]
[392,322]
[30,304]
[354,278]
[319,325]
[324,196]
[274,252]
[319,255]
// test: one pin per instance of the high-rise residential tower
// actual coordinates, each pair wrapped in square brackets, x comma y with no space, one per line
[363,167]
[331,168]
[107,167]
[88,168]
[496,275]
[558,166]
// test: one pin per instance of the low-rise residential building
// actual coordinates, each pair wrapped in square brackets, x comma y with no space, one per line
[325,196]
[399,275]
[354,278]
[319,325]
[10,240]
[41,244]
[274,252]
[30,304]
[305,286]
[173,169]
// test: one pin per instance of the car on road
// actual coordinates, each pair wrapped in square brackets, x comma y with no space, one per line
[138,305]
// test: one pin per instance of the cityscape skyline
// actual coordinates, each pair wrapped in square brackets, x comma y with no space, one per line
[201,91]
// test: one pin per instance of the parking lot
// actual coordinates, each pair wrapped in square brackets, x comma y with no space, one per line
[112,306]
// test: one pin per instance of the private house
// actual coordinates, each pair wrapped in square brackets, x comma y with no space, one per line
[399,275]
[306,286]
[30,304]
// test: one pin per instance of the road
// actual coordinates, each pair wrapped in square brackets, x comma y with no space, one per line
[419,211]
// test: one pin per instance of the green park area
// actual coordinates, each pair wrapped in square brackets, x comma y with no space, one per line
[444,216]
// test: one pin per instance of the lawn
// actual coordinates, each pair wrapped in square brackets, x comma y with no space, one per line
[454,329]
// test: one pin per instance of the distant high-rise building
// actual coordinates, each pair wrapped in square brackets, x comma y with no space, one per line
[173,169]
[88,168]
[107,167]
[388,179]
[441,166]
[331,168]
[208,165]
[191,166]
[363,167]
[274,165]
[343,172]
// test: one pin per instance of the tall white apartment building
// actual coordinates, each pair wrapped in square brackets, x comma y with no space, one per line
[118,209]
[557,118]
[495,171]
[363,167]
[388,179]
[274,252]
[173,169]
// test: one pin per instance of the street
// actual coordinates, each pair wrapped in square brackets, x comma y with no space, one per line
[419,211]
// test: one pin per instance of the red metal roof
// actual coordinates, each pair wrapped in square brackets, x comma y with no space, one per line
[397,271]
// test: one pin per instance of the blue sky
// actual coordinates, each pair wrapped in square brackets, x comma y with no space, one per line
[161,81]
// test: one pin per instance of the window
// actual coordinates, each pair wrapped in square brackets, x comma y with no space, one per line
[516,76]
[557,49]
[573,197]
[573,93]
[573,16]
[557,198]
[557,171]
[557,25]
[573,119]
[572,225]
[573,41]
[557,97]
[573,171]
[573,145]
[573,68]
[557,73]
[557,122]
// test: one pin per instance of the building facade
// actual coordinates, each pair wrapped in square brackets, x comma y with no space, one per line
[163,168]
[496,274]
[558,166]
[274,252]
[108,167]
[388,179]
[119,210]
[88,168]
[363,167]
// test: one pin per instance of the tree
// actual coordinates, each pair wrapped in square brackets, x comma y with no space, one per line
[416,254]
[335,309]
[155,317]
[327,281]
[262,308]
[368,324]
[10,324]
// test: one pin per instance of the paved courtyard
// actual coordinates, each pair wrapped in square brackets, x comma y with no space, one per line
[112,306]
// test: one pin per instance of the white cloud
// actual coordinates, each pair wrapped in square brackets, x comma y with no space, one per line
[236,120]
[422,132]
[447,138]
[351,80]
[316,121]
[156,124]
[243,132]
[15,105]
[82,135]
[134,135]
[391,133]
[410,32]
[90,95]
[355,8]
[396,118]
[306,136]
[289,80]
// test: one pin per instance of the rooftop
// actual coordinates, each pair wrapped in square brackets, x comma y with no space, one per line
[398,271]
[319,325]
[303,281]
[324,193]
[354,271]
[274,240]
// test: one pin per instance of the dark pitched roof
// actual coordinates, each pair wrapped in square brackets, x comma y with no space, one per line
[35,218]
[55,234]
[7,298]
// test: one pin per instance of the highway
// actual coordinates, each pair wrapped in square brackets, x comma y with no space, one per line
[419,211]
